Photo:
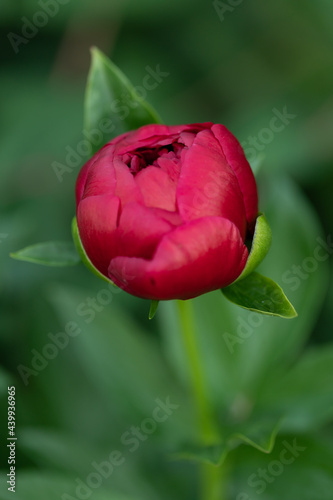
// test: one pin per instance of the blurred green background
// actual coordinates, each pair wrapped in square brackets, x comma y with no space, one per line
[240,65]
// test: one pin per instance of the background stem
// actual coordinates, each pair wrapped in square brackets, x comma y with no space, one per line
[210,475]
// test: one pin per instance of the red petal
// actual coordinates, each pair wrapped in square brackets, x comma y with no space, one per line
[157,188]
[236,158]
[170,166]
[155,134]
[97,221]
[126,187]
[139,231]
[101,165]
[101,178]
[207,185]
[201,256]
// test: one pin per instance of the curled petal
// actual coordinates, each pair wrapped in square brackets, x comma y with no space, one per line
[97,221]
[193,259]
[236,158]
[157,188]
[101,178]
[139,230]
[207,185]
[126,187]
[155,134]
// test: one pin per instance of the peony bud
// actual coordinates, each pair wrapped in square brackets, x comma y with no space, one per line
[163,212]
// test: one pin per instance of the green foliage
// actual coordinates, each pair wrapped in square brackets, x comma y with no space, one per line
[51,253]
[258,293]
[262,376]
[112,103]
[298,467]
[259,433]
[261,243]
[247,352]
[153,308]
[51,486]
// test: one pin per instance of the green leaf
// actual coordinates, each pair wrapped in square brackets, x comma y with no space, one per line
[300,467]
[112,105]
[260,294]
[260,433]
[213,454]
[116,354]
[51,253]
[51,448]
[82,253]
[241,352]
[51,486]
[304,394]
[153,308]
[261,243]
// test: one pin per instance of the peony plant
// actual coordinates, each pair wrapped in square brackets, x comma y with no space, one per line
[168,212]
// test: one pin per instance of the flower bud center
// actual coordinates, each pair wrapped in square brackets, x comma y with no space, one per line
[143,157]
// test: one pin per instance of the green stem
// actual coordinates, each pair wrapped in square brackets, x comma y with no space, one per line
[210,475]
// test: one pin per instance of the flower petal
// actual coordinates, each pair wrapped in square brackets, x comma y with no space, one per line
[207,185]
[97,221]
[101,178]
[170,166]
[236,158]
[126,187]
[139,231]
[157,188]
[201,256]
[155,134]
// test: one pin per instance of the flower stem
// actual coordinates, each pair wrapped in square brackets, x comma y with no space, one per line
[210,475]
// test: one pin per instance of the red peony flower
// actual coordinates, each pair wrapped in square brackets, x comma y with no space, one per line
[163,212]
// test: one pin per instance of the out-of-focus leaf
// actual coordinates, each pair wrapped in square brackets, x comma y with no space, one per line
[6,380]
[112,105]
[32,485]
[299,467]
[214,454]
[242,350]
[50,253]
[57,449]
[125,364]
[304,395]
[260,433]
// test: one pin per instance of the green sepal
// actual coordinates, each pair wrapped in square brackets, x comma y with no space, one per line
[261,242]
[153,308]
[112,105]
[50,253]
[82,253]
[260,294]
